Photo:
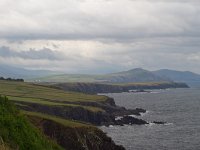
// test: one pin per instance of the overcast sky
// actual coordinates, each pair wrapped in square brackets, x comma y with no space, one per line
[100,36]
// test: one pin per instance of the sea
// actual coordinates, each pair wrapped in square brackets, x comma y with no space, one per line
[180,108]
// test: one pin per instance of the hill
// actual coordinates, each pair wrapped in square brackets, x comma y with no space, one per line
[7,71]
[94,88]
[134,75]
[192,79]
[130,76]
[95,109]
[65,117]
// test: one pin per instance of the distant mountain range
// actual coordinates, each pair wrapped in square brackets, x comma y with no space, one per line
[15,72]
[134,75]
[188,77]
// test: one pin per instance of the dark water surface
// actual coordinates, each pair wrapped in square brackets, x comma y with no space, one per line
[179,107]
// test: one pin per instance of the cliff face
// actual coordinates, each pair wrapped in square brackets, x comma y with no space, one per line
[104,117]
[75,138]
[94,88]
[18,132]
[72,113]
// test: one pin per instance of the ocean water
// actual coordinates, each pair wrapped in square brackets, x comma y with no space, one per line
[179,107]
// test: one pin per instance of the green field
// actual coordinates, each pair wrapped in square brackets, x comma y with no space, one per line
[69,78]
[30,93]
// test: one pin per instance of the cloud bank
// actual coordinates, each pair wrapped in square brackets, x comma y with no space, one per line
[100,36]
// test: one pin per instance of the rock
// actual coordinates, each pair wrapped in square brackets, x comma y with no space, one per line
[159,122]
[140,110]
[129,120]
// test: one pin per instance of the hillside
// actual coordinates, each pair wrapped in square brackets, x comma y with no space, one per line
[131,76]
[25,130]
[188,77]
[134,75]
[94,88]
[32,97]
[95,109]
[72,135]
[17,133]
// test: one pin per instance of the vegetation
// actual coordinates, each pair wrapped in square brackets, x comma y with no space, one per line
[93,88]
[40,128]
[22,92]
[10,79]
[69,78]
[67,123]
[28,90]
[49,103]
[18,133]
[134,75]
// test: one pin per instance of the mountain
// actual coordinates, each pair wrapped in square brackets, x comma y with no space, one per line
[134,75]
[7,71]
[192,79]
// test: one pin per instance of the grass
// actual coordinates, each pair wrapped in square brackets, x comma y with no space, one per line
[18,133]
[70,78]
[49,103]
[22,89]
[30,93]
[67,123]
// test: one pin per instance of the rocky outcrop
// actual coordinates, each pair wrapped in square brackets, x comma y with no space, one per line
[75,138]
[159,122]
[128,120]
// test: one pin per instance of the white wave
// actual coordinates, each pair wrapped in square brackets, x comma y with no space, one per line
[111,126]
[154,92]
[142,114]
[150,124]
[167,124]
[133,115]
[118,117]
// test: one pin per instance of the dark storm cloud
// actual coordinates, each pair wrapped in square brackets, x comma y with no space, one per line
[44,53]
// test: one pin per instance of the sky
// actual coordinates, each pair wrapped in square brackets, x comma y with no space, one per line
[101,36]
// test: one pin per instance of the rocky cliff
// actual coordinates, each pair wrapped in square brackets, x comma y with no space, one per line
[105,116]
[75,138]
[94,88]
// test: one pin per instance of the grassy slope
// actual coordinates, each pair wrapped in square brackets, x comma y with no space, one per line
[18,133]
[66,123]
[70,78]
[27,92]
